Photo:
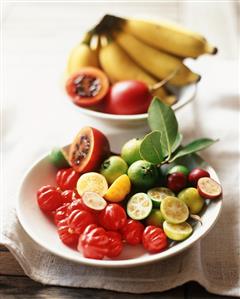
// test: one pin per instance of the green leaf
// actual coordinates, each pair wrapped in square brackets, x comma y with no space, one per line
[162,118]
[177,142]
[194,146]
[150,149]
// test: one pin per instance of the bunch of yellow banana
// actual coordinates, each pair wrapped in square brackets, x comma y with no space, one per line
[141,50]
[82,55]
[170,38]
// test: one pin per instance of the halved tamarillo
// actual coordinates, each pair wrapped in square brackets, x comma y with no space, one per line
[87,87]
[88,150]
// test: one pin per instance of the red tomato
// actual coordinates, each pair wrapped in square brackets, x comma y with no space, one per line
[113,217]
[154,239]
[94,242]
[49,198]
[61,213]
[67,178]
[77,205]
[115,245]
[79,220]
[128,97]
[66,234]
[132,232]
[69,196]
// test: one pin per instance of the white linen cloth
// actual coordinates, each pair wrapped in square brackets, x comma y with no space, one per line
[37,116]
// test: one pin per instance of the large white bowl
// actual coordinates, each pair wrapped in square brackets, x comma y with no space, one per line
[184,95]
[43,231]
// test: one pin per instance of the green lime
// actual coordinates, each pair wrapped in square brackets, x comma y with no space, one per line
[113,167]
[130,151]
[174,210]
[157,194]
[192,199]
[143,174]
[155,218]
[177,232]
[139,206]
[179,168]
[58,158]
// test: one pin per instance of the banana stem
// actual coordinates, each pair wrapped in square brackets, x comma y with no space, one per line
[164,81]
[108,24]
[87,37]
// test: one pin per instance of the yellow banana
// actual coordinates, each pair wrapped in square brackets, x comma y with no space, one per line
[156,62]
[82,55]
[119,66]
[169,37]
[168,99]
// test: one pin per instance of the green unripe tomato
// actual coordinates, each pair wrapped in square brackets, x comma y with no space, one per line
[130,151]
[113,167]
[179,168]
[155,218]
[192,199]
[143,174]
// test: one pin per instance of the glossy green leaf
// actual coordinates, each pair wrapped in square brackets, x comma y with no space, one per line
[194,146]
[177,142]
[151,149]
[162,118]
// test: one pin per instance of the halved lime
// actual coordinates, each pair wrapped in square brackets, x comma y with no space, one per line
[177,232]
[157,194]
[94,201]
[174,210]
[139,206]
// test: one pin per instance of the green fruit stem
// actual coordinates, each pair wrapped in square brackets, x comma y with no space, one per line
[87,37]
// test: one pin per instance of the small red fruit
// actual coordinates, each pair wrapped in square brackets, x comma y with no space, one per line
[94,242]
[79,220]
[61,213]
[67,178]
[49,198]
[66,234]
[88,150]
[115,245]
[176,181]
[69,196]
[113,217]
[87,87]
[154,239]
[132,232]
[196,174]
[128,97]
[208,188]
[77,205]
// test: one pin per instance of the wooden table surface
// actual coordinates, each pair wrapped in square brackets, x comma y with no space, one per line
[15,284]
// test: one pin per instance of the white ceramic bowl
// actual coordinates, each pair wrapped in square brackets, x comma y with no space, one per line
[43,231]
[184,95]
